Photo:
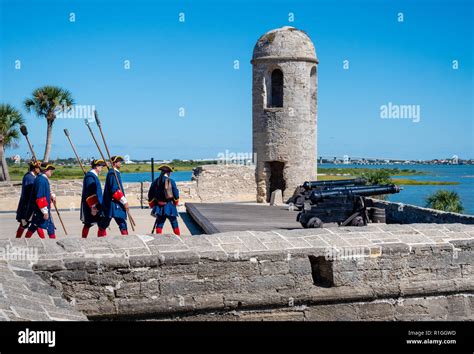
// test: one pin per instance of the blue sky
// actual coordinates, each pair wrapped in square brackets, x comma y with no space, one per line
[191,65]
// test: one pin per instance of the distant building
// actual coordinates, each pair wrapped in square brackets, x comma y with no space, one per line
[128,160]
[16,159]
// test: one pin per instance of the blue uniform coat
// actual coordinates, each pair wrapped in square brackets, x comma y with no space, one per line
[26,190]
[111,207]
[41,189]
[157,192]
[90,187]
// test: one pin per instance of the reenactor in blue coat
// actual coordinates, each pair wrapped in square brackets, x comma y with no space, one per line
[91,200]
[163,197]
[40,203]
[114,203]
[22,215]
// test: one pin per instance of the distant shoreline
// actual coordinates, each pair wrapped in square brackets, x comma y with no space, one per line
[339,171]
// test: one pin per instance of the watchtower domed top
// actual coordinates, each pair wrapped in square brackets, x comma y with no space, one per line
[285,43]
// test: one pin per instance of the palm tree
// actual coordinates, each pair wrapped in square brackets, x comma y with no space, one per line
[10,121]
[375,177]
[48,101]
[446,201]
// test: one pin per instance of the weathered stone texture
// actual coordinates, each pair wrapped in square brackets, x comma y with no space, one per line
[278,276]
[409,214]
[24,296]
[223,183]
[411,309]
[370,286]
[284,134]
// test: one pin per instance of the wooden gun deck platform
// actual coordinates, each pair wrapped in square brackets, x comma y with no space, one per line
[224,217]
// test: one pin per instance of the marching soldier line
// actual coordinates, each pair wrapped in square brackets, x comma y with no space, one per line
[97,207]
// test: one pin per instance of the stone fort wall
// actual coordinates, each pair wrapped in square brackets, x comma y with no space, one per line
[420,272]
[399,213]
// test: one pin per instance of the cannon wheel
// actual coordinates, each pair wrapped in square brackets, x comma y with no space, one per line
[314,223]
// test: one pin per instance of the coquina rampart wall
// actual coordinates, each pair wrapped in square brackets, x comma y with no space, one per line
[384,272]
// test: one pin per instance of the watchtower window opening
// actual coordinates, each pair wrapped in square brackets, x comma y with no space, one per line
[276,93]
[276,178]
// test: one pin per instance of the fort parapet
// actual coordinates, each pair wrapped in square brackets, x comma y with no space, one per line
[379,272]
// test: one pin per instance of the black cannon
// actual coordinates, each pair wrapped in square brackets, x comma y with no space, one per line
[333,183]
[302,192]
[318,196]
[343,205]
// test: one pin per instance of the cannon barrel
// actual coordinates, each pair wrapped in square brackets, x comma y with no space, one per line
[319,195]
[341,182]
[342,188]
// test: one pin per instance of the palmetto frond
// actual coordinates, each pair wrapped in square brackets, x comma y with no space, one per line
[46,101]
[446,201]
[10,121]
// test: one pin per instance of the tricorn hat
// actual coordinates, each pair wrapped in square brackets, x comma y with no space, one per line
[46,166]
[98,162]
[166,168]
[116,159]
[34,164]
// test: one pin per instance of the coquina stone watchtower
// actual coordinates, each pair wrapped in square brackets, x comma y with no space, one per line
[284,109]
